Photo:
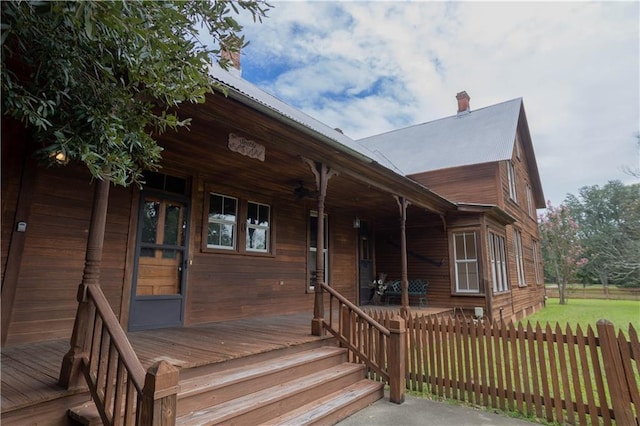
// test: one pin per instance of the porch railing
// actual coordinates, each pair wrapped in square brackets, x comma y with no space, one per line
[102,354]
[381,349]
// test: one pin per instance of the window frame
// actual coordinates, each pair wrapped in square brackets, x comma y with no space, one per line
[519,257]
[234,224]
[311,249]
[467,261]
[532,209]
[499,282]
[258,226]
[241,225]
[511,176]
[537,262]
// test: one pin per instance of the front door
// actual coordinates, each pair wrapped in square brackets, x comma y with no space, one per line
[365,263]
[161,253]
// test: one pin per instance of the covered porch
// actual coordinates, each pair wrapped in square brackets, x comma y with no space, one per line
[30,391]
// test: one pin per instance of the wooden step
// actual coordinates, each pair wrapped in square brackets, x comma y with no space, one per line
[275,401]
[334,407]
[222,386]
[85,414]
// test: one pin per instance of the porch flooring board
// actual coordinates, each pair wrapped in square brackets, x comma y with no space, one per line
[30,371]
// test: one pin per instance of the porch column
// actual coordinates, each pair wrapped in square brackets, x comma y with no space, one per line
[70,375]
[403,204]
[322,174]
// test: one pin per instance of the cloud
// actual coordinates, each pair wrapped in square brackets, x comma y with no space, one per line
[370,67]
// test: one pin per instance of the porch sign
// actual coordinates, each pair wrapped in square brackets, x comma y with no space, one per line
[246,147]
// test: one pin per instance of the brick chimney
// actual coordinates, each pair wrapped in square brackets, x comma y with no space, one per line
[463,102]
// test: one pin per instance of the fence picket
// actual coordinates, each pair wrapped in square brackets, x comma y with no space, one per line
[565,393]
[524,396]
[552,373]
[555,383]
[575,376]
[598,373]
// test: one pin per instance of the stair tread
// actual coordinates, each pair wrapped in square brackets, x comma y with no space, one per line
[318,409]
[223,378]
[86,414]
[264,397]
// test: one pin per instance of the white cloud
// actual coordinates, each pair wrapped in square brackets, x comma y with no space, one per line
[369,67]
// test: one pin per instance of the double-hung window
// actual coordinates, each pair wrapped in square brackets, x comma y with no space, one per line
[517,248]
[223,222]
[313,250]
[532,208]
[498,263]
[258,220]
[238,226]
[511,175]
[537,263]
[466,262]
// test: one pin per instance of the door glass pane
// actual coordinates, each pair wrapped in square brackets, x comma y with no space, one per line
[173,225]
[150,221]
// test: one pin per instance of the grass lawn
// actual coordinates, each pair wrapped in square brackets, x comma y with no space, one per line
[588,311]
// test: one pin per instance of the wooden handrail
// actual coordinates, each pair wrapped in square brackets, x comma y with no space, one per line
[381,349]
[123,393]
[355,309]
[118,337]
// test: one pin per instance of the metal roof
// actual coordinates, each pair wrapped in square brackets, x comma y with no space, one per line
[248,90]
[474,137]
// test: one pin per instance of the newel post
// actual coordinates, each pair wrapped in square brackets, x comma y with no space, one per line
[396,359]
[159,395]
[70,370]
[614,369]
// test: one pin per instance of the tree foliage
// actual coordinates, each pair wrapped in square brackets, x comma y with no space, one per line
[561,247]
[609,228]
[95,81]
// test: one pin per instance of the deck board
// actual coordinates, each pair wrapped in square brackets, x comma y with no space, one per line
[30,371]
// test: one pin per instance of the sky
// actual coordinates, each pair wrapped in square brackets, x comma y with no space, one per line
[368,67]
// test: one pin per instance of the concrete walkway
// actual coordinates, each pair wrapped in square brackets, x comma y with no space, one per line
[421,411]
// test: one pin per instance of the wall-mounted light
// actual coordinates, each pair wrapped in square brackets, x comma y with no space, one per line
[60,157]
[356,222]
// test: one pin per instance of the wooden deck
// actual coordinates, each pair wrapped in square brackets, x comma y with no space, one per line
[30,371]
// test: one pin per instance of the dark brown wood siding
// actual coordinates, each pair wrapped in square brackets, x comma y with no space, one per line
[469,184]
[53,260]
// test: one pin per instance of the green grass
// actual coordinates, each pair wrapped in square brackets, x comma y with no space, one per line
[588,311]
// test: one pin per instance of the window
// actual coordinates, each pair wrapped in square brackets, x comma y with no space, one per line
[537,263]
[517,248]
[230,221]
[511,174]
[466,262]
[257,227]
[498,263]
[532,208]
[223,216]
[313,249]
[517,147]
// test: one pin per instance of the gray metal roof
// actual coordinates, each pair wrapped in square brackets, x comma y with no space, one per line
[232,80]
[479,136]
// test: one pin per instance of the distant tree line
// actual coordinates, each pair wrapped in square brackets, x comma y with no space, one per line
[593,237]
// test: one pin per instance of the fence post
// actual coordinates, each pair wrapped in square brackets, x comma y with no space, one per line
[397,348]
[614,369]
[159,395]
[70,370]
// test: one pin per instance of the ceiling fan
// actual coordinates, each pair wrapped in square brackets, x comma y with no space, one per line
[301,192]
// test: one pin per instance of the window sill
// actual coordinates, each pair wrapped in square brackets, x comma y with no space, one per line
[237,252]
[456,294]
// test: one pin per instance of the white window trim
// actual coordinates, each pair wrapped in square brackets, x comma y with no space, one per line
[511,174]
[532,209]
[473,262]
[266,228]
[233,223]
[325,254]
[498,263]
[517,246]
[537,263]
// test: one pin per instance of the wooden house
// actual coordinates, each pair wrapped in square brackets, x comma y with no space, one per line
[482,160]
[228,230]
